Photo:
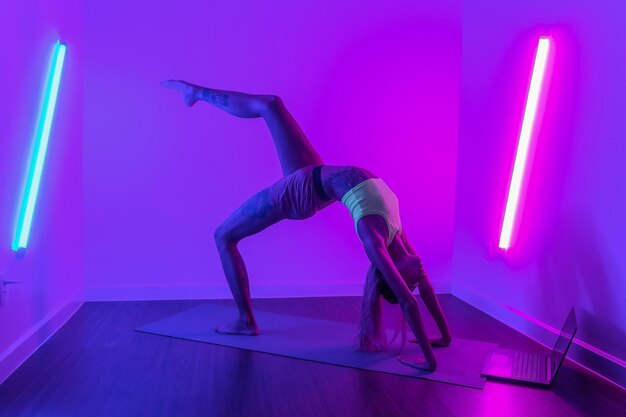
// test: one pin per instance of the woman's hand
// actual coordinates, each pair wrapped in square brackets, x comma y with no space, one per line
[436,342]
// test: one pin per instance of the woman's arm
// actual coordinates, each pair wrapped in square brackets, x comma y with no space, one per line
[430,299]
[407,245]
[372,230]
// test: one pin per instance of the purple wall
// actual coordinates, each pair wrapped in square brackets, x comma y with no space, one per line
[569,251]
[51,272]
[372,83]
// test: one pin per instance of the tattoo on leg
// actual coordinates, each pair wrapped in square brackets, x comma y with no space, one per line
[245,282]
[215,97]
[259,206]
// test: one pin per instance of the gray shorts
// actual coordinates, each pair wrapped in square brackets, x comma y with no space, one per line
[295,196]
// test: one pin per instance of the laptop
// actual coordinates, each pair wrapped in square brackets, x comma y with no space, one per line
[531,367]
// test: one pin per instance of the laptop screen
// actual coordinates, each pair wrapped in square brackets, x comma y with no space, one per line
[563,342]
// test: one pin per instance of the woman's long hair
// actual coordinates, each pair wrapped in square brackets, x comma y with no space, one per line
[372,335]
[371,331]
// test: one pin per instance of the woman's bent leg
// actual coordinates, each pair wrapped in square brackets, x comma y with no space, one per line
[253,216]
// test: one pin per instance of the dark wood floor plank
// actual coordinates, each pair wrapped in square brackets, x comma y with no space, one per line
[97,365]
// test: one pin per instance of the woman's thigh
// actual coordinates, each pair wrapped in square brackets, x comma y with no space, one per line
[253,216]
[292,146]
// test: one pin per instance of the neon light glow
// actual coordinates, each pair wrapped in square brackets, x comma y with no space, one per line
[521,156]
[42,136]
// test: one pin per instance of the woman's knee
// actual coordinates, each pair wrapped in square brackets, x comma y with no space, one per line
[271,102]
[224,237]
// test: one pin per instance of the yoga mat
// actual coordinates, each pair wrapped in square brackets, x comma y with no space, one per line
[324,341]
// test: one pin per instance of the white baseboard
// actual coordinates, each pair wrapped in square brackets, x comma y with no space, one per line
[595,360]
[16,354]
[222,292]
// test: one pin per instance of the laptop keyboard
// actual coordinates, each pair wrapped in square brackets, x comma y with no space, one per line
[527,366]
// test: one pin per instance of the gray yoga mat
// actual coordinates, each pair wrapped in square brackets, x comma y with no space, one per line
[324,341]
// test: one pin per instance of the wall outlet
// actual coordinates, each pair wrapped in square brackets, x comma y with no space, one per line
[4,283]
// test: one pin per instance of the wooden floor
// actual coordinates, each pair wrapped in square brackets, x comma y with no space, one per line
[96,365]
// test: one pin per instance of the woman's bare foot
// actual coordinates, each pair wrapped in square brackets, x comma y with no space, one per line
[238,327]
[440,342]
[436,342]
[191,93]
[418,362]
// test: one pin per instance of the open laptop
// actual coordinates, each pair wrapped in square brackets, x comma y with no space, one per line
[531,367]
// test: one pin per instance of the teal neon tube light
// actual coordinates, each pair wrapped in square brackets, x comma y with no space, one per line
[42,137]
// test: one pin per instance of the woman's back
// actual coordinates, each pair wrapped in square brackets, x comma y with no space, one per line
[338,180]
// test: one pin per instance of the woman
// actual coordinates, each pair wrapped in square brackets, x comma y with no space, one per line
[308,186]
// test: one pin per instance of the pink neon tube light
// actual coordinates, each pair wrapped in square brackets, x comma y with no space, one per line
[521,156]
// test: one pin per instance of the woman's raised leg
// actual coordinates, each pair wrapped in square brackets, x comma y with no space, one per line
[293,147]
